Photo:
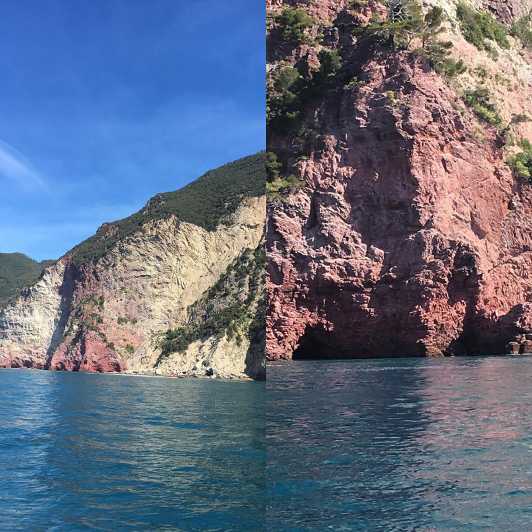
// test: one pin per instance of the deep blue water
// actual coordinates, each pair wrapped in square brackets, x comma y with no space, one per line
[103,452]
[405,444]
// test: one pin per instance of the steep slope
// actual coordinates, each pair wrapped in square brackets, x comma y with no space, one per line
[399,222]
[108,304]
[17,271]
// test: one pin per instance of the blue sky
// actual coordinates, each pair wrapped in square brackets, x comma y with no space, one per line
[105,103]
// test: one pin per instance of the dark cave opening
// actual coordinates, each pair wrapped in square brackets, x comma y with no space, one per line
[317,343]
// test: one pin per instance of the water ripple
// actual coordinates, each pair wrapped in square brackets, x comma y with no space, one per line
[100,452]
[406,444]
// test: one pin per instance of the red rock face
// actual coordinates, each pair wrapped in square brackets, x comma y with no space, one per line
[87,348]
[87,352]
[410,237]
[76,336]
[507,11]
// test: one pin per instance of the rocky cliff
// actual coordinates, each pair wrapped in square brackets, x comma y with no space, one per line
[119,301]
[400,212]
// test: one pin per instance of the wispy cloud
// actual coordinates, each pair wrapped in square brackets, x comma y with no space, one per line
[51,237]
[15,167]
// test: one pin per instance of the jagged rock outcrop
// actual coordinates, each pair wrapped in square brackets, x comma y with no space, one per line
[506,10]
[410,234]
[107,304]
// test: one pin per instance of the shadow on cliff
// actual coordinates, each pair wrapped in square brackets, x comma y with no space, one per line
[318,343]
[67,293]
[255,363]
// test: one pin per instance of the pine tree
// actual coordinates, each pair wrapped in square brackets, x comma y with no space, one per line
[405,24]
[273,166]
[432,25]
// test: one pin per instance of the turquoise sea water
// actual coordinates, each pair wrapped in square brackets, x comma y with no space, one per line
[400,444]
[104,452]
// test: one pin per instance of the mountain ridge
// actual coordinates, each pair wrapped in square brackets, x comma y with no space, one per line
[17,270]
[203,202]
[106,303]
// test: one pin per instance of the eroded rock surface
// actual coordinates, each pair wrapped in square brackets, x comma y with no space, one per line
[410,235]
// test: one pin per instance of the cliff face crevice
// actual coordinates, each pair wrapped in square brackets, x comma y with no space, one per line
[64,308]
[507,11]
[409,235]
[107,304]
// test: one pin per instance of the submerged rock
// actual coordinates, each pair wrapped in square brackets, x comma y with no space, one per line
[513,348]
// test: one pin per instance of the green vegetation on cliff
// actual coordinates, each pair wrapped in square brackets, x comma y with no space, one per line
[283,102]
[16,272]
[479,27]
[522,29]
[295,87]
[205,202]
[480,102]
[294,23]
[521,162]
[405,25]
[404,22]
[275,189]
[233,306]
[276,185]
